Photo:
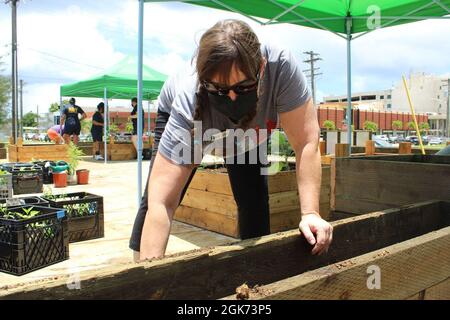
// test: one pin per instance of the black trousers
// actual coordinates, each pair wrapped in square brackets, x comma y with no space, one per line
[249,189]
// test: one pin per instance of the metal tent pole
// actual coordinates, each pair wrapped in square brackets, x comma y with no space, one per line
[349,83]
[148,118]
[105,124]
[139,106]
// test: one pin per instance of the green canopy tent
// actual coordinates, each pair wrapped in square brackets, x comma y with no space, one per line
[348,19]
[118,82]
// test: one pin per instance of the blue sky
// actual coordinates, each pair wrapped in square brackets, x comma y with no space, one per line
[53,35]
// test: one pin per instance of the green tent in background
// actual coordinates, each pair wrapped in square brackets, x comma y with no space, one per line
[120,82]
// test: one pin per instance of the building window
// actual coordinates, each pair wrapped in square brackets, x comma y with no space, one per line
[389,106]
[439,97]
[389,96]
[381,97]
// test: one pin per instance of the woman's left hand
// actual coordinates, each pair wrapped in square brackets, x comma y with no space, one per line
[318,232]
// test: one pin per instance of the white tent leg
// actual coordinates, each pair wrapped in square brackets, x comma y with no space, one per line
[139,106]
[105,124]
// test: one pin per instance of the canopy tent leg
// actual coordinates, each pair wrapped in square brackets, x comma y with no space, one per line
[148,119]
[139,106]
[349,83]
[60,114]
[105,124]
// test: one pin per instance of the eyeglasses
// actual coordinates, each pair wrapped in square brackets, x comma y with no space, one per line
[239,88]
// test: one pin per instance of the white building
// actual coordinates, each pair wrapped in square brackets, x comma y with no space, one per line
[371,100]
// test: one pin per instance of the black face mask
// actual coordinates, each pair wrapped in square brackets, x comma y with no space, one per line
[237,109]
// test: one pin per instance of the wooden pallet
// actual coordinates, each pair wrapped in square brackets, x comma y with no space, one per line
[410,245]
[209,202]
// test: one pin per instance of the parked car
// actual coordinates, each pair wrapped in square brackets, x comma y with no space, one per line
[436,141]
[380,143]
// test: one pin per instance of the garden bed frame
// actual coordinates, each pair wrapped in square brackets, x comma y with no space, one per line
[365,184]
[209,202]
[411,245]
[28,152]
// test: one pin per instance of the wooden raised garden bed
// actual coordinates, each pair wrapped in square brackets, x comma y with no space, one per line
[209,202]
[3,151]
[365,184]
[29,152]
[31,238]
[120,151]
[84,214]
[411,246]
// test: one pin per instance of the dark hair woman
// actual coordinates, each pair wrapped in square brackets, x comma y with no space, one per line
[97,130]
[238,84]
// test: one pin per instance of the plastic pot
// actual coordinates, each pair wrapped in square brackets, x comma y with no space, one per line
[60,179]
[83,176]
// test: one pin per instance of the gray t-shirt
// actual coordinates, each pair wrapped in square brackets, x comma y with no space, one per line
[283,88]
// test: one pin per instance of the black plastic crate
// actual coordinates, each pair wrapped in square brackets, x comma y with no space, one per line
[31,201]
[27,179]
[6,188]
[84,214]
[9,166]
[46,170]
[34,243]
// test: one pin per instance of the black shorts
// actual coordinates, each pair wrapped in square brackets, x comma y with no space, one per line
[97,136]
[72,130]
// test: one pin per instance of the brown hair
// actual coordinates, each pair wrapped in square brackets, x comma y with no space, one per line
[227,43]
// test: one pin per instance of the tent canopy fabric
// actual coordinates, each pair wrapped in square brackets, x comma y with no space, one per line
[332,14]
[120,81]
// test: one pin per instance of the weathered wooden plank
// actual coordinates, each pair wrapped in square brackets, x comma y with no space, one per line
[215,273]
[206,181]
[440,291]
[363,185]
[209,220]
[210,201]
[405,268]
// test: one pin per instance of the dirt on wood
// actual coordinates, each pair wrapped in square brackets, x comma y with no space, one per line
[244,292]
[344,264]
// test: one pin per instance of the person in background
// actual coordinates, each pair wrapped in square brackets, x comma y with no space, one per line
[97,130]
[53,134]
[71,121]
[134,116]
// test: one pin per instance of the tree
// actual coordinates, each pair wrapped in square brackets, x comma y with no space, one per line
[5,92]
[424,127]
[329,125]
[397,125]
[30,119]
[371,126]
[411,126]
[54,107]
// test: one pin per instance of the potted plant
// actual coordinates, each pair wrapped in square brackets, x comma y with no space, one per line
[31,237]
[74,154]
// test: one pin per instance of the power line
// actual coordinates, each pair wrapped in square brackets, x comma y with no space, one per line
[65,59]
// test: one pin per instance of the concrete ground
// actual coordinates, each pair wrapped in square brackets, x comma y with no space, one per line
[117,183]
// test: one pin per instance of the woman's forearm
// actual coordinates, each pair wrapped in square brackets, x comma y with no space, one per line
[309,174]
[156,231]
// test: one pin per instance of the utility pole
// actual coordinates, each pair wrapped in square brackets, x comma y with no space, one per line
[14,67]
[312,72]
[20,123]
